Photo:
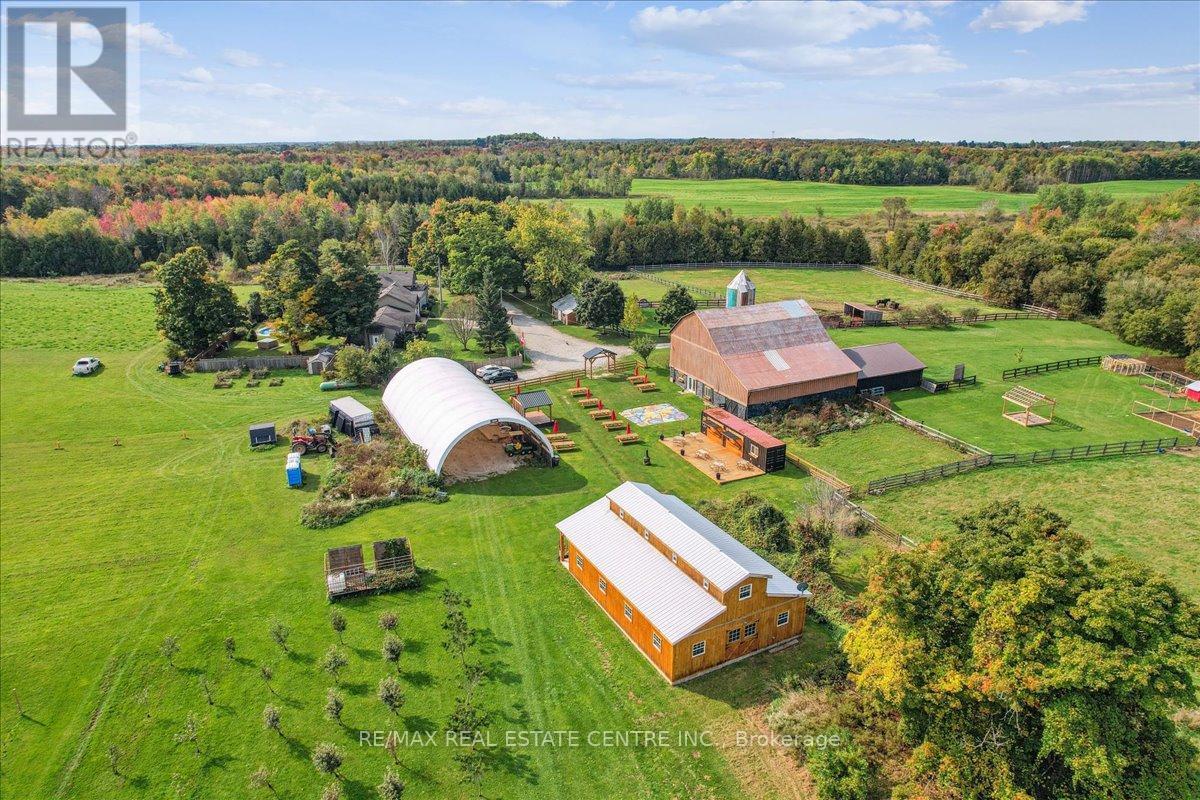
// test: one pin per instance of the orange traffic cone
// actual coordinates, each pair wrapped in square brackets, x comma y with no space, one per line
[600,405]
[555,428]
[628,429]
[612,414]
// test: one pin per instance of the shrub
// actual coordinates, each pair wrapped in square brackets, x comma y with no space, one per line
[327,758]
[841,772]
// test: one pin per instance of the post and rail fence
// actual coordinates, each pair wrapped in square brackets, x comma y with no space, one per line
[1051,366]
[1107,449]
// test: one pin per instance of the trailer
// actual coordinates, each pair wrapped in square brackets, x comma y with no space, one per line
[352,418]
[262,433]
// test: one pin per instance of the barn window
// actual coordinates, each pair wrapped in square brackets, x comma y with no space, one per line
[744,592]
[579,562]
[783,619]
[656,641]
[734,635]
[628,612]
[751,630]
[603,586]
[753,450]
[697,649]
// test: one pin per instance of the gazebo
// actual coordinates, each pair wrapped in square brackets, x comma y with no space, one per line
[1026,400]
[596,353]
[527,404]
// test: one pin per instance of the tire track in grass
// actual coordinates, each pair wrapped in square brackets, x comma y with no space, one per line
[121,655]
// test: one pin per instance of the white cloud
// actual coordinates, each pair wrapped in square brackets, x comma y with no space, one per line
[1024,16]
[1140,72]
[551,3]
[796,37]
[638,79]
[199,74]
[486,107]
[244,59]
[149,35]
[259,90]
[853,62]
[1038,89]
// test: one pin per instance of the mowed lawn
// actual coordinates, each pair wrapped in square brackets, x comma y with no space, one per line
[754,197]
[824,289]
[182,530]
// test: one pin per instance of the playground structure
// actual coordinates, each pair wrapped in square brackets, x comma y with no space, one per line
[1026,400]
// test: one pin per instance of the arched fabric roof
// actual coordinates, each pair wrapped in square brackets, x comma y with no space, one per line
[437,402]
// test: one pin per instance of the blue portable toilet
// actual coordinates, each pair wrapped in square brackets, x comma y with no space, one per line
[295,474]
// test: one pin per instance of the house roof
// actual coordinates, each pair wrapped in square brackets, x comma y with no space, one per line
[565,304]
[437,402]
[741,282]
[774,344]
[388,317]
[403,277]
[673,603]
[538,398]
[876,360]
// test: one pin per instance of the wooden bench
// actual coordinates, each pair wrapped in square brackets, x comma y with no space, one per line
[555,438]
[578,391]
[637,379]
[589,402]
[600,413]
[565,446]
[647,387]
[614,425]
[628,438]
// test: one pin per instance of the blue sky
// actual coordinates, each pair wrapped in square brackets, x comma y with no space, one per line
[239,72]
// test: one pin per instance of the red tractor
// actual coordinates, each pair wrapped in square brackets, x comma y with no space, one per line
[313,441]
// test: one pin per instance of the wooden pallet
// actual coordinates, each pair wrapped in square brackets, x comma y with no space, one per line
[600,413]
[578,392]
[589,402]
[647,387]
[629,438]
[614,425]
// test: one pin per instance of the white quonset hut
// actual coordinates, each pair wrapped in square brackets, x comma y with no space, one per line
[463,426]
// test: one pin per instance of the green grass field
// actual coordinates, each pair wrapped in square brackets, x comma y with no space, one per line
[764,198]
[108,549]
[822,288]
[182,530]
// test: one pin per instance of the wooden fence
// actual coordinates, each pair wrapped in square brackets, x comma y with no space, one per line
[1173,378]
[907,281]
[698,290]
[741,265]
[828,478]
[1130,448]
[924,429]
[624,365]
[255,362]
[1051,366]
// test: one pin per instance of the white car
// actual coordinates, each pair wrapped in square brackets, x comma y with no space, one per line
[86,366]
[483,371]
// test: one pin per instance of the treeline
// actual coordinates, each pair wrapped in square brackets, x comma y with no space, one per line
[529,166]
[1134,265]
[659,231]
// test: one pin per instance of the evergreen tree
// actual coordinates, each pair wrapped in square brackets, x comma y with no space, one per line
[493,330]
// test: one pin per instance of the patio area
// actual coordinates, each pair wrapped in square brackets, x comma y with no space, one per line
[721,464]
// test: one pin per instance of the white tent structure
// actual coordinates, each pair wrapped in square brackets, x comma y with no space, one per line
[438,404]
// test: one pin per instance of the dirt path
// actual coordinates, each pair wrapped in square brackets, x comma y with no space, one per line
[548,347]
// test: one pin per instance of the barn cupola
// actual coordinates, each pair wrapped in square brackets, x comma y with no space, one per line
[740,291]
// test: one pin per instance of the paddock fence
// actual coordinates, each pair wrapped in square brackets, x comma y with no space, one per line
[827,478]
[742,265]
[1051,366]
[925,430]
[254,362]
[1108,449]
[624,366]
[916,284]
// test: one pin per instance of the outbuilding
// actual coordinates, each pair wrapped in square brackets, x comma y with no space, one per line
[748,441]
[885,367]
[262,433]
[464,427]
[868,314]
[566,309]
[1192,391]
[352,418]
[321,361]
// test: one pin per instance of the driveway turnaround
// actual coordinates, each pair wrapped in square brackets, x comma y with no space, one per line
[550,349]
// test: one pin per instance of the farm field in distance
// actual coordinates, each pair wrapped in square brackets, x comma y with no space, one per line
[755,197]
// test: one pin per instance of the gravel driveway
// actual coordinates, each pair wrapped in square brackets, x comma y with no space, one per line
[549,348]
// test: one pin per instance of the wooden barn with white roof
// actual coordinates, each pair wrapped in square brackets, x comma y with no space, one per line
[686,593]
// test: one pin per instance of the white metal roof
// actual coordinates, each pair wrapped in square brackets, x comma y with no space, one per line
[741,282]
[673,603]
[437,402]
[1194,386]
[711,551]
[352,409]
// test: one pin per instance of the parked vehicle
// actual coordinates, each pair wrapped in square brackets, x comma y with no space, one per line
[86,366]
[487,369]
[502,375]
[313,441]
